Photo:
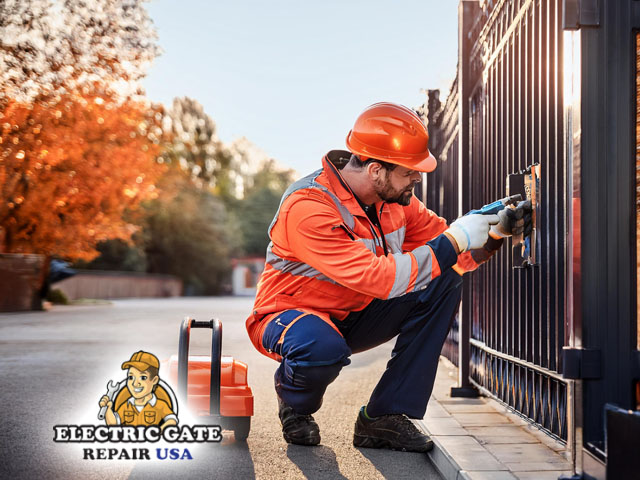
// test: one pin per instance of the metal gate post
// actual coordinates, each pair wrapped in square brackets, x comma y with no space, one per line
[573,328]
[468,11]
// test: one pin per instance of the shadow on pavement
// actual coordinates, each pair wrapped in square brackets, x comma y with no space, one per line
[316,463]
[229,459]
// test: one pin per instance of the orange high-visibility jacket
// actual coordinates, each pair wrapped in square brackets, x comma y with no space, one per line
[327,258]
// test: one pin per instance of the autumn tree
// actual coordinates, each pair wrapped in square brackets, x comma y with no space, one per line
[50,47]
[78,142]
[70,170]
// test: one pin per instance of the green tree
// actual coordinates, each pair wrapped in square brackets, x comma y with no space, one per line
[195,146]
[257,209]
[117,254]
[186,234]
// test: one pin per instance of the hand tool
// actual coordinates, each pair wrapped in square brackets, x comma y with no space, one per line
[112,389]
[495,207]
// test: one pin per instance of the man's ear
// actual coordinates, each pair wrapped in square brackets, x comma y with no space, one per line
[155,380]
[374,170]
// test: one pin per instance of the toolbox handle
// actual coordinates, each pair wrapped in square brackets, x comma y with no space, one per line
[216,360]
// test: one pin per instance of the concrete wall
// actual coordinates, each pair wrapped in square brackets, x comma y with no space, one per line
[101,284]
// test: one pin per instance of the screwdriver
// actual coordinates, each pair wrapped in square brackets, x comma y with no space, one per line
[495,207]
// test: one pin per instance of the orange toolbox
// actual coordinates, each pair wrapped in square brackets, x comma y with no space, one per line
[215,386]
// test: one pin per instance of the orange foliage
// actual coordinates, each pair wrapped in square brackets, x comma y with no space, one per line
[69,169]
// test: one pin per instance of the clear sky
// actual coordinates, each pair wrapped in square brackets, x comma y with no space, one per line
[292,76]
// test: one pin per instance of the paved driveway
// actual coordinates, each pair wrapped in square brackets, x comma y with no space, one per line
[54,367]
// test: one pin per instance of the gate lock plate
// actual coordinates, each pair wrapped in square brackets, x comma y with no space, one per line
[526,251]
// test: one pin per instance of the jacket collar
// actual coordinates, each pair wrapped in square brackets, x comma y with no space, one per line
[332,163]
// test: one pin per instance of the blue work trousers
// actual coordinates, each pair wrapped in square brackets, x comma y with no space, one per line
[313,352]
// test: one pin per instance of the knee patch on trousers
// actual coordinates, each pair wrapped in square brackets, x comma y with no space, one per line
[305,340]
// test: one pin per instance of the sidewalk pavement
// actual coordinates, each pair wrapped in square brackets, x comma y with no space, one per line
[480,439]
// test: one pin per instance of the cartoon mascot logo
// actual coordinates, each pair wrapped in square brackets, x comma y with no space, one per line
[140,399]
[140,409]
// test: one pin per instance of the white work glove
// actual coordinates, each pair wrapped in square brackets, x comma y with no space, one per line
[472,231]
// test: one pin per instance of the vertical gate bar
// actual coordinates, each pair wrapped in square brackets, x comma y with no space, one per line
[545,238]
[521,150]
[540,282]
[561,161]
[555,254]
[552,191]
[526,285]
[529,160]
[534,273]
[561,194]
[496,327]
[511,168]
[492,103]
[517,167]
[504,169]
[560,189]
[524,320]
[488,102]
[497,278]
[550,195]
[467,11]
[502,153]
[547,211]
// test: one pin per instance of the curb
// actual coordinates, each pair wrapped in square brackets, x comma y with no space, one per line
[445,463]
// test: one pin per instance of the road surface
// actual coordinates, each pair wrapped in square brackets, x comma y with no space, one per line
[54,367]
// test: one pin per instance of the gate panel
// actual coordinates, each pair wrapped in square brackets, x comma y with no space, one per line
[516,315]
[532,94]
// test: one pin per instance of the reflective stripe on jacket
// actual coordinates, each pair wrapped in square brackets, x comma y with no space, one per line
[326,256]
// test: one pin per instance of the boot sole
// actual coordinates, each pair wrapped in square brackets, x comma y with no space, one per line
[373,442]
[310,440]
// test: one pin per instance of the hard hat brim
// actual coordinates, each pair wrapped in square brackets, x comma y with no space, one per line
[411,161]
[427,165]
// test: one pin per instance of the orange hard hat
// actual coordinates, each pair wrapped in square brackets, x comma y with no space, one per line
[392,133]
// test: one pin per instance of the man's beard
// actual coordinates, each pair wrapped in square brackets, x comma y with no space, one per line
[390,195]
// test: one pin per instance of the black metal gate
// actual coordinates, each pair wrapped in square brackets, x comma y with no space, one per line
[516,121]
[547,86]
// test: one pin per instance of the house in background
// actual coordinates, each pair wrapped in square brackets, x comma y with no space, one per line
[245,275]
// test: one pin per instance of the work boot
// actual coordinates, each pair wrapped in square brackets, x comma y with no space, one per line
[396,432]
[297,428]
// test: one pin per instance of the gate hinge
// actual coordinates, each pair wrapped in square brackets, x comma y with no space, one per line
[580,13]
[581,363]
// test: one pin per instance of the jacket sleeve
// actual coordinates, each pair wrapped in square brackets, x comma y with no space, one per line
[314,236]
[423,225]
